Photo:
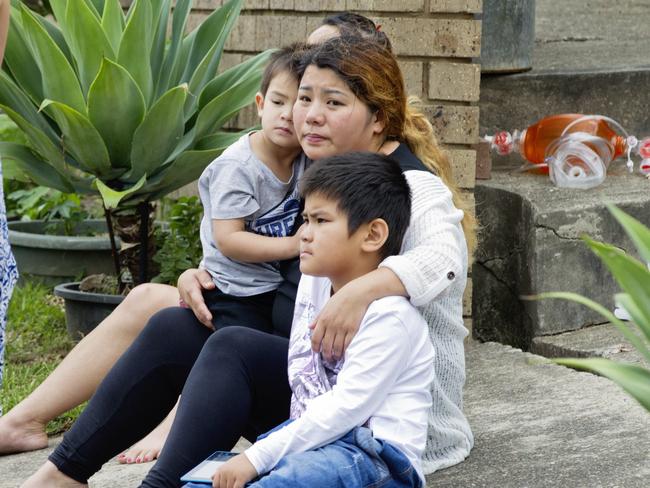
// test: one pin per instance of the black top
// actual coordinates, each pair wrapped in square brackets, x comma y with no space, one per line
[290,269]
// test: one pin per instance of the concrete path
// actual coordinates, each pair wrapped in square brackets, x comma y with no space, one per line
[536,425]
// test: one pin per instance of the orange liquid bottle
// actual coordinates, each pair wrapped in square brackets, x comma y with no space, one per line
[533,143]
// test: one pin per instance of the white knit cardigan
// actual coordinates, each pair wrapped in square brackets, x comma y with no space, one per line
[433,269]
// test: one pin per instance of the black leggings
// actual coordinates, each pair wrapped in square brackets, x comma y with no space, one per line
[233,383]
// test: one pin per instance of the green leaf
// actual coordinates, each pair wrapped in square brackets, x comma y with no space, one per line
[160,132]
[161,16]
[218,140]
[633,379]
[80,138]
[624,328]
[112,197]
[87,41]
[183,170]
[116,108]
[632,276]
[226,105]
[39,140]
[97,6]
[179,20]
[207,47]
[136,45]
[253,67]
[11,96]
[641,320]
[60,82]
[113,23]
[20,61]
[37,169]
[639,233]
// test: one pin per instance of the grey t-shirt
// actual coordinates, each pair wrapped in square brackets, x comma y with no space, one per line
[237,185]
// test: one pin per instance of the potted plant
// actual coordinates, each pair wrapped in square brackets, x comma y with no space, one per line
[113,107]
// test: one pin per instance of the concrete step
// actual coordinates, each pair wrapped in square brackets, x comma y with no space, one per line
[535,424]
[531,243]
[604,341]
[538,425]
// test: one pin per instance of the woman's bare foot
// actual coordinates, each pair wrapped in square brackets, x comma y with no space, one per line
[48,476]
[20,436]
[148,449]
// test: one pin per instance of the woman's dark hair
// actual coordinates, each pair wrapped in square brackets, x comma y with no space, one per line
[365,186]
[351,24]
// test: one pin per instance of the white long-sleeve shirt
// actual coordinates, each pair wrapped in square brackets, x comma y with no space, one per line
[384,381]
[433,268]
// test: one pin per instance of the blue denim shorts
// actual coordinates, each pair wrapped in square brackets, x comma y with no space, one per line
[356,460]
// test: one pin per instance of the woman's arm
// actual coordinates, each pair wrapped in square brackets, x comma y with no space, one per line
[433,254]
[236,243]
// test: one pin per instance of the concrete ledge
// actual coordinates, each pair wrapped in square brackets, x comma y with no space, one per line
[604,341]
[536,425]
[539,425]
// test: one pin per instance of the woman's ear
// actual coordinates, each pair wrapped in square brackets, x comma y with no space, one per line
[259,103]
[378,122]
[376,235]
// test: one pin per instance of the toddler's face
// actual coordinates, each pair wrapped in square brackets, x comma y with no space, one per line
[275,110]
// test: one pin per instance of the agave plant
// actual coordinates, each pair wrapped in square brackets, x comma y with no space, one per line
[113,104]
[634,279]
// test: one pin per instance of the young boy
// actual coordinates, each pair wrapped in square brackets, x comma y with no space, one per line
[250,200]
[361,420]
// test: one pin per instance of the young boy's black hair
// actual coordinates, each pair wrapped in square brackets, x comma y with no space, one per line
[366,186]
[284,59]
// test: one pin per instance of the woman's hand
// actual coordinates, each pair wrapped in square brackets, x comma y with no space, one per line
[339,320]
[234,473]
[191,284]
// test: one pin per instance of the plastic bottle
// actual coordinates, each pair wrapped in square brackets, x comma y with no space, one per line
[574,149]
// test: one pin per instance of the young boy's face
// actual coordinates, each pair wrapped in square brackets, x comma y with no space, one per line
[275,110]
[326,248]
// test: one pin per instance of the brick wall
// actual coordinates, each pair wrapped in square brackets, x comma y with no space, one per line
[435,41]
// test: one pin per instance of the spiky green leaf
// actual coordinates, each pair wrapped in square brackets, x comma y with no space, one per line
[80,138]
[38,170]
[206,50]
[623,327]
[112,198]
[135,46]
[113,23]
[60,82]
[172,61]
[639,233]
[20,61]
[116,108]
[251,68]
[226,105]
[160,132]
[634,379]
[631,275]
[87,41]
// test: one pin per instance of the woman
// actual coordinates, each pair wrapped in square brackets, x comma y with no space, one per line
[351,97]
[77,377]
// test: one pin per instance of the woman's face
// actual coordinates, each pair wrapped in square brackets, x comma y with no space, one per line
[329,119]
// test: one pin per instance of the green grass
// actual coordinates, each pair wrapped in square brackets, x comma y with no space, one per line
[36,341]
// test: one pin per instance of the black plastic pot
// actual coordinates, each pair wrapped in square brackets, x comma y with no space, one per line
[83,310]
[54,259]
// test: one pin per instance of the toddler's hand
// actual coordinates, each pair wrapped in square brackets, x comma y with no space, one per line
[234,473]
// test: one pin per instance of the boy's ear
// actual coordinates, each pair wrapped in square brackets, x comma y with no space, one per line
[259,103]
[376,235]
